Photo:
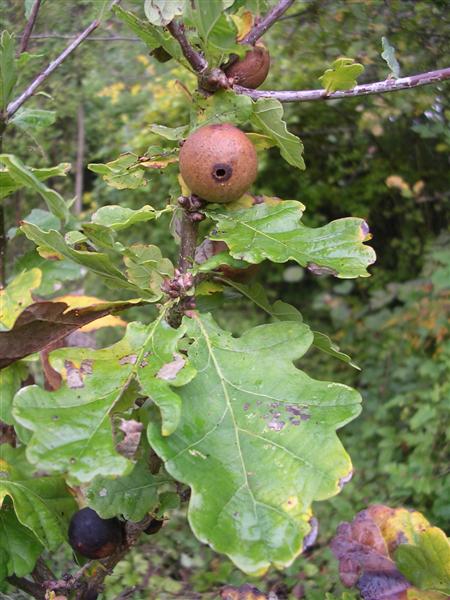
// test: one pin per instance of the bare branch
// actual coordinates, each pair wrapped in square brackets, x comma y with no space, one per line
[29,26]
[267,21]
[17,103]
[366,89]
[194,58]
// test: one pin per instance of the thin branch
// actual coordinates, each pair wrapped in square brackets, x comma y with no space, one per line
[17,103]
[34,589]
[105,38]
[194,58]
[267,21]
[366,89]
[29,26]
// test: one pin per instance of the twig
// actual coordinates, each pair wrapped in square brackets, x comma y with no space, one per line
[366,89]
[194,58]
[34,589]
[29,26]
[17,103]
[267,21]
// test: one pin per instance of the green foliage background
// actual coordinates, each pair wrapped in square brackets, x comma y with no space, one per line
[382,158]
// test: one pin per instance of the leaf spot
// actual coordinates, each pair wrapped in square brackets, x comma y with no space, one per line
[170,370]
[129,359]
[75,375]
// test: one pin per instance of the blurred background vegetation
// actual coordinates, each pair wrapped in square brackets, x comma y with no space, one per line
[383,158]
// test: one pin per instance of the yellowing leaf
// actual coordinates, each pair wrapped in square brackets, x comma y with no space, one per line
[17,296]
[83,301]
[244,23]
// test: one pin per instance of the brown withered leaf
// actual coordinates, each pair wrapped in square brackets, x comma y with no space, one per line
[42,324]
[243,592]
[365,549]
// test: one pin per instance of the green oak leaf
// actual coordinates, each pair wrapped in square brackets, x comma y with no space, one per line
[10,380]
[223,107]
[250,452]
[152,36]
[426,564]
[147,269]
[8,184]
[132,496]
[274,232]
[164,367]
[119,174]
[54,272]
[17,296]
[33,119]
[72,426]
[161,12]
[72,429]
[342,75]
[8,69]
[170,133]
[43,505]
[282,311]
[19,548]
[25,177]
[120,217]
[96,262]
[268,117]
[388,55]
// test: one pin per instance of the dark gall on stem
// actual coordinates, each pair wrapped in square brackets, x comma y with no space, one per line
[92,536]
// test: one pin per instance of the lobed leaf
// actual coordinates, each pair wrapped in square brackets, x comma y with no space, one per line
[17,296]
[72,429]
[388,55]
[427,562]
[19,548]
[43,505]
[26,178]
[268,117]
[342,75]
[274,232]
[161,12]
[281,311]
[152,36]
[163,368]
[8,184]
[33,118]
[133,496]
[250,453]
[96,262]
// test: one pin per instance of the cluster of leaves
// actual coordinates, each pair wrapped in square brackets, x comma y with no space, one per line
[94,432]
